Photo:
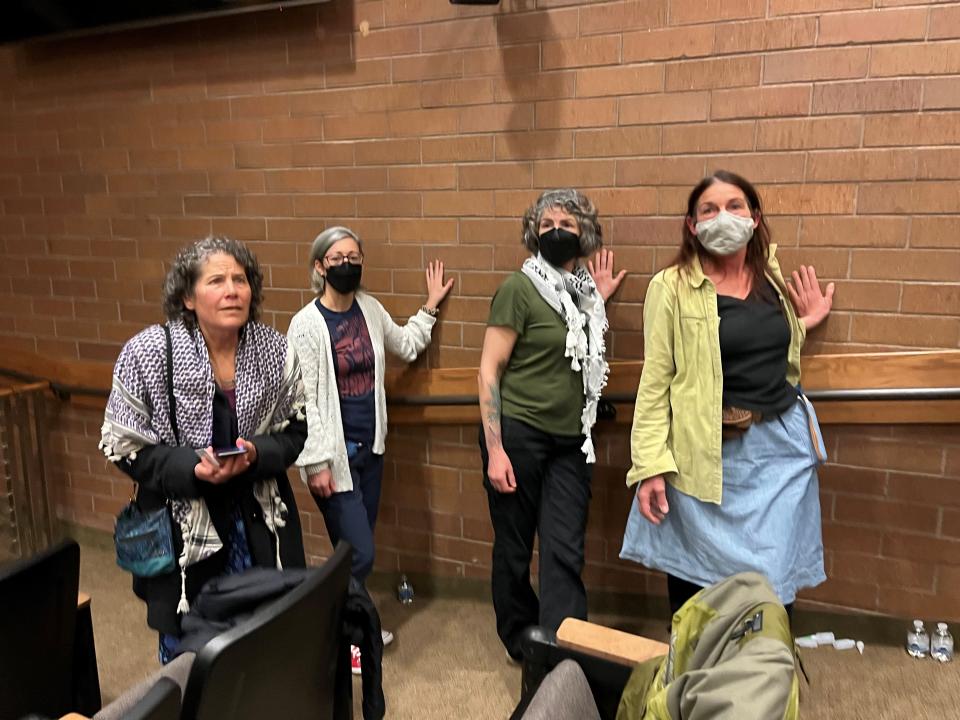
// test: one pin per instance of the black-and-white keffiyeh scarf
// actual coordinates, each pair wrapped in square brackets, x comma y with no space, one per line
[269,392]
[576,298]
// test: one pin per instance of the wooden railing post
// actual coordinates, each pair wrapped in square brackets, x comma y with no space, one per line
[26,511]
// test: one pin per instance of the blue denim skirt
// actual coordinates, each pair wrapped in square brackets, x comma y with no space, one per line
[768,520]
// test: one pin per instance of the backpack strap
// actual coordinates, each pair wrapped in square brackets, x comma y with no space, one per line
[769,620]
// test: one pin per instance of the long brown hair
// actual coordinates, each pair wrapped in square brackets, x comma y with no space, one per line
[759,245]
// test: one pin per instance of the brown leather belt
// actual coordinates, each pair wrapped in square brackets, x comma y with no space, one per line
[735,421]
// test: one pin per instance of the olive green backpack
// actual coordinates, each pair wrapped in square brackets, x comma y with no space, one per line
[731,658]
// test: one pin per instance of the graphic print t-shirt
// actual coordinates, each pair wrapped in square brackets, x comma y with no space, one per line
[353,360]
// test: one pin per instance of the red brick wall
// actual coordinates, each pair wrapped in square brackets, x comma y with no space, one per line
[430,134]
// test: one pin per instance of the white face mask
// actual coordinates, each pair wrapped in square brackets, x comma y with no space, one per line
[724,233]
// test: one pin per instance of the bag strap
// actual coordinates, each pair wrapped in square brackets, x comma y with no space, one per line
[134,497]
[170,399]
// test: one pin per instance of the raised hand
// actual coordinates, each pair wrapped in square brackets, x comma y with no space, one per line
[437,289]
[607,282]
[812,305]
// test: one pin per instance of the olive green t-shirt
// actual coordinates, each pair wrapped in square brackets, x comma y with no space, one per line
[538,387]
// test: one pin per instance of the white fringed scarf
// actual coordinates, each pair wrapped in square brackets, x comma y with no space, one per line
[574,296]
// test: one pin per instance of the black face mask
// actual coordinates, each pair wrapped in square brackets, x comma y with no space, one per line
[344,278]
[559,246]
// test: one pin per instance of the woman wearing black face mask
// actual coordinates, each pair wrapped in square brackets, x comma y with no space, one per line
[541,373]
[340,338]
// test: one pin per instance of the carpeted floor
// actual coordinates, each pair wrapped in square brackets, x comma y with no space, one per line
[447,662]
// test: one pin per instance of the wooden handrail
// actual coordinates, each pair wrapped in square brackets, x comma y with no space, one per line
[448,395]
[86,376]
[24,387]
[456,389]
[924,369]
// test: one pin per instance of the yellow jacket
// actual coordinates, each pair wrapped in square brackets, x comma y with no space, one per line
[676,421]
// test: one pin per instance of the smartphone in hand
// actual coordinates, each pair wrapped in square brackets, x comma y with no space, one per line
[219,454]
[226,452]
[203,454]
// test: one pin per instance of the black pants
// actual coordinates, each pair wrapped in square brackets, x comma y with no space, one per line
[552,499]
[680,590]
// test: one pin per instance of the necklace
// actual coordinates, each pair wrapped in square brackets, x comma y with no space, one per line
[224,382]
[738,286]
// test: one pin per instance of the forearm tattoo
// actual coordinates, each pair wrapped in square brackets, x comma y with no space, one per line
[491,411]
[491,415]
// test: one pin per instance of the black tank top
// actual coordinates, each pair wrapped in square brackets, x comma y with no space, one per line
[754,342]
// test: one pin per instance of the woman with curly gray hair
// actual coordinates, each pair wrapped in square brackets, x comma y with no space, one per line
[205,415]
[541,372]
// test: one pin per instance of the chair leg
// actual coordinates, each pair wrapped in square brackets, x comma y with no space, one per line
[343,701]
[86,678]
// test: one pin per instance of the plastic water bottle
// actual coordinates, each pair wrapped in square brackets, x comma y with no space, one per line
[404,591]
[918,642]
[941,644]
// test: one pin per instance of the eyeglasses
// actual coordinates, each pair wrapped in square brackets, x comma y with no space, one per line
[353,258]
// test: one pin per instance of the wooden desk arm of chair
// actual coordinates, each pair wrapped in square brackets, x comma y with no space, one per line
[607,643]
[83,600]
[74,716]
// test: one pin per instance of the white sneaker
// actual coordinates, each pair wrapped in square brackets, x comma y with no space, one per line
[387,637]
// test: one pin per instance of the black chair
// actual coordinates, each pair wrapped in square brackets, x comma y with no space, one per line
[162,702]
[541,654]
[133,703]
[288,661]
[38,614]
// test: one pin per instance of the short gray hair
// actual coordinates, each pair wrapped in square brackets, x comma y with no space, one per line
[573,202]
[187,266]
[321,244]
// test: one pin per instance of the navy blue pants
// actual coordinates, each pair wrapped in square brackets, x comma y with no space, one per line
[352,515]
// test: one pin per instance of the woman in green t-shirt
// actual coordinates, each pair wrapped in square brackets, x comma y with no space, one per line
[541,372]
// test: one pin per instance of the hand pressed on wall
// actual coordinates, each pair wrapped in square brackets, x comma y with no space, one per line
[437,289]
[812,304]
[602,273]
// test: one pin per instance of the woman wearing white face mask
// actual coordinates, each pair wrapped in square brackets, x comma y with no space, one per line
[724,446]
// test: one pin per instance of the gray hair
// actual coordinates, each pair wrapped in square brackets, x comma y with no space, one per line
[573,202]
[187,266]
[321,245]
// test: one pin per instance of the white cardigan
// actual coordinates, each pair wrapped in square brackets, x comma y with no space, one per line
[308,333]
